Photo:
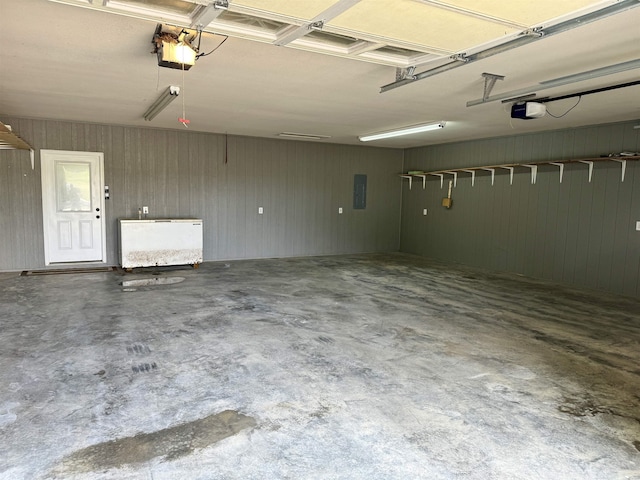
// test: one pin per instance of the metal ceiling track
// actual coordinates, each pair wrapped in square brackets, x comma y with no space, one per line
[586,92]
[224,17]
[526,37]
[529,92]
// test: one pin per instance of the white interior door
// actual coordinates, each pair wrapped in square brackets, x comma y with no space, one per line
[72,206]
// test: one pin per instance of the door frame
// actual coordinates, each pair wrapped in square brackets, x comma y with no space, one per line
[103,224]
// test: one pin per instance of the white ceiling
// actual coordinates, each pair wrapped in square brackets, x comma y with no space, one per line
[59,61]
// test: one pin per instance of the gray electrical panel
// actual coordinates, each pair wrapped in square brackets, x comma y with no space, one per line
[359,192]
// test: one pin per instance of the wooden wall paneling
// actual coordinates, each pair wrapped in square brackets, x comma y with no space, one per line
[539,202]
[624,246]
[248,182]
[356,232]
[311,158]
[10,236]
[606,254]
[264,198]
[217,159]
[237,234]
[374,212]
[114,177]
[487,196]
[296,187]
[261,151]
[584,216]
[553,194]
[571,199]
[170,202]
[281,198]
[527,208]
[622,224]
[291,197]
[631,272]
[221,228]
[30,226]
[153,157]
[328,211]
[480,210]
[342,200]
[314,172]
[132,169]
[182,173]
[559,247]
[575,232]
[595,233]
[332,197]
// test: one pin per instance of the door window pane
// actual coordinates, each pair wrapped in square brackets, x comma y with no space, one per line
[73,187]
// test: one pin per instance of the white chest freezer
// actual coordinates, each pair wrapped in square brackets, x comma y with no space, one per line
[157,242]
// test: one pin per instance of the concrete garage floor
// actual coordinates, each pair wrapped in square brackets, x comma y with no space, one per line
[351,367]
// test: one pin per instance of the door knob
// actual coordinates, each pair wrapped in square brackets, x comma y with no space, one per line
[97,216]
[98,209]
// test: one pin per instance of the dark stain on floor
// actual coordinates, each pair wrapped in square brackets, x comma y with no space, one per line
[582,407]
[171,443]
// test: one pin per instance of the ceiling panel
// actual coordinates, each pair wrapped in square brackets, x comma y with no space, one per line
[302,9]
[526,13]
[254,88]
[185,7]
[418,23]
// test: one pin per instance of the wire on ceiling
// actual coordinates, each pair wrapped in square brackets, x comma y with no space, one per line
[560,116]
[209,53]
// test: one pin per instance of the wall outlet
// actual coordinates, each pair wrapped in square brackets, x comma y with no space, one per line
[145,210]
[339,210]
[260,210]
[424,211]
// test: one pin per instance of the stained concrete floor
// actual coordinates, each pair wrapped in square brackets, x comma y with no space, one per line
[351,367]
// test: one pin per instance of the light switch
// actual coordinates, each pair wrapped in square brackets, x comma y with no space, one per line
[340,210]
[424,211]
[260,210]
[638,226]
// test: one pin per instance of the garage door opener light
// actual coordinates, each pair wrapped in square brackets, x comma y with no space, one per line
[173,48]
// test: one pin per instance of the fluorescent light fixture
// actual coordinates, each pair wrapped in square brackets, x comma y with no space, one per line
[403,131]
[168,96]
[303,136]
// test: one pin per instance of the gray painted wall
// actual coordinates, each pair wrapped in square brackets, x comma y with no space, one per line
[185,174]
[577,232]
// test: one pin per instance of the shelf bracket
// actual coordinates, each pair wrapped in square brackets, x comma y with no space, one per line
[489,82]
[590,163]
[510,174]
[623,163]
[561,165]
[441,175]
[410,179]
[473,176]
[534,173]
[455,178]
[424,180]
[493,174]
